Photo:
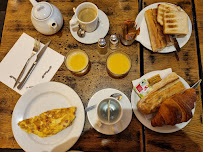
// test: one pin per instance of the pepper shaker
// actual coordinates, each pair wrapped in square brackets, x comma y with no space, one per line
[102,46]
[113,42]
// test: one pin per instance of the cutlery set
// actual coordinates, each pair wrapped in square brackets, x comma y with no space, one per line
[39,54]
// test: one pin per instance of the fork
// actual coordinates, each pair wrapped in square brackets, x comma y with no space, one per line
[34,51]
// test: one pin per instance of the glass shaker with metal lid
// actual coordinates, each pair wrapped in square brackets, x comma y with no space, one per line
[102,46]
[113,42]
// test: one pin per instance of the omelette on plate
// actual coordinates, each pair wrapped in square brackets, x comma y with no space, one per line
[50,122]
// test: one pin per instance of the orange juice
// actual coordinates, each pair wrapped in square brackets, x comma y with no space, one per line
[76,60]
[118,63]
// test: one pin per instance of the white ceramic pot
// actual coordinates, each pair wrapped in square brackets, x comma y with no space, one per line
[46,18]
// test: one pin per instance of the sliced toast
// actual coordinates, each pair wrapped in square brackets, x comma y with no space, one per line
[175,23]
[165,7]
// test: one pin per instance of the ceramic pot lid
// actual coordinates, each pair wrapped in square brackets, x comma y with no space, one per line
[42,11]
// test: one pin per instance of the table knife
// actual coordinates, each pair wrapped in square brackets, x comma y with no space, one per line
[196,84]
[177,48]
[39,55]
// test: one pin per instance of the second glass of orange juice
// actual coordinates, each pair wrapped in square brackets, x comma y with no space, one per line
[77,61]
[118,64]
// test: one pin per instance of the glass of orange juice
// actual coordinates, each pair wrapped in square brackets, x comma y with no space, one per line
[77,61]
[118,64]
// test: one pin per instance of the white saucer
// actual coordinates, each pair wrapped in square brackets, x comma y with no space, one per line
[93,37]
[122,124]
[143,37]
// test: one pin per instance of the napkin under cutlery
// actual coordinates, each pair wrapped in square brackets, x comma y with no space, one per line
[16,58]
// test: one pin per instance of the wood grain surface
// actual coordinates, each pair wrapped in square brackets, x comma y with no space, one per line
[3,6]
[18,21]
[190,137]
[199,14]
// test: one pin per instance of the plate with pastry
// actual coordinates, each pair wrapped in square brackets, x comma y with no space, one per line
[48,117]
[163,101]
[159,23]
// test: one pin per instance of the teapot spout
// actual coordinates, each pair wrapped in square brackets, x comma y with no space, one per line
[34,2]
[52,24]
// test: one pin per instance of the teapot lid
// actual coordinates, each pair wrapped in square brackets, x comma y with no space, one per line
[42,10]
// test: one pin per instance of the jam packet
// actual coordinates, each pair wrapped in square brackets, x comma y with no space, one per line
[142,88]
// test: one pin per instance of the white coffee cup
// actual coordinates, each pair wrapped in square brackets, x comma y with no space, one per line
[109,111]
[88,26]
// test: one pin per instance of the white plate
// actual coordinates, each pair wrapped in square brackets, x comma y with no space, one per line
[41,98]
[94,36]
[107,129]
[146,119]
[143,37]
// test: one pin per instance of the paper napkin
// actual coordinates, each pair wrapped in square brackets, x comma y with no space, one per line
[14,61]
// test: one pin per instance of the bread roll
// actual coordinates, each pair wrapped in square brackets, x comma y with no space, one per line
[162,90]
[157,38]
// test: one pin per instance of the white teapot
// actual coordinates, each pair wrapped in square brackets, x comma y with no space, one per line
[46,18]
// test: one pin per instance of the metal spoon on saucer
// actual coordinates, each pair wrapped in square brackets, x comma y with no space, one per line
[81,32]
[118,96]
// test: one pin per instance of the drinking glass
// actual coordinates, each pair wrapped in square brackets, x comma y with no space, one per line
[77,61]
[118,64]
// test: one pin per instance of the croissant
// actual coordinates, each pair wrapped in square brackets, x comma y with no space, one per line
[176,109]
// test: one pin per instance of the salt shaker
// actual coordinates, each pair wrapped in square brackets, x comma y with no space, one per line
[102,46]
[113,42]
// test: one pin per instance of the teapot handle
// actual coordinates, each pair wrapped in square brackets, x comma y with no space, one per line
[34,2]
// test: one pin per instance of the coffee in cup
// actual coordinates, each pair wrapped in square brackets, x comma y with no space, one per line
[86,15]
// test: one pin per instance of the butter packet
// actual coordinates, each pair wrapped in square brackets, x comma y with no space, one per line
[154,79]
[142,88]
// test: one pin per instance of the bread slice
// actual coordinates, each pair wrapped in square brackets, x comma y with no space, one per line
[165,7]
[157,38]
[176,23]
[160,91]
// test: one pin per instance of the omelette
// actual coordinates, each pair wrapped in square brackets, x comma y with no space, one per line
[50,122]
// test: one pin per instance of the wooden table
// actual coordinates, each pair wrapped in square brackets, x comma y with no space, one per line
[136,137]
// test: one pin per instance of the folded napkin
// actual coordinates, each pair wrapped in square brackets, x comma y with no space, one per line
[14,61]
